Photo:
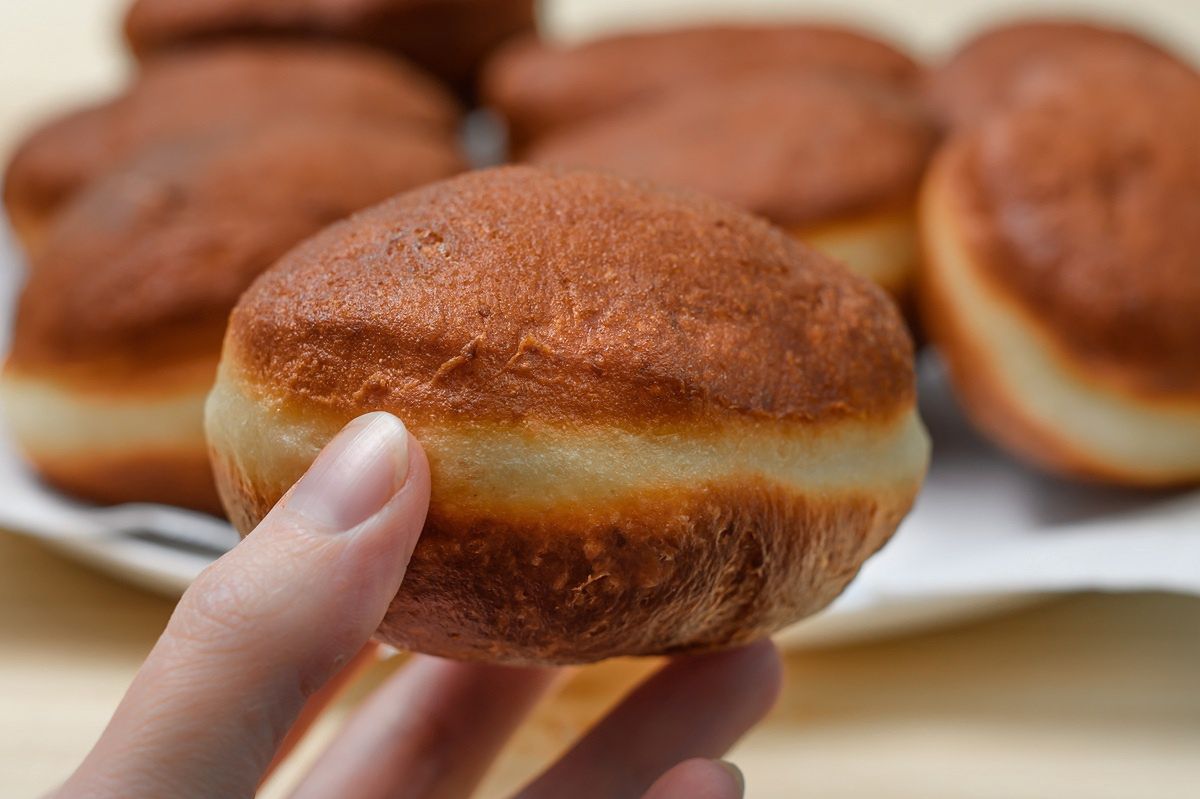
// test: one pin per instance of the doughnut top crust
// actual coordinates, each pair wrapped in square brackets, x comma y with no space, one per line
[186,93]
[993,70]
[448,37]
[144,266]
[539,87]
[797,150]
[1086,207]
[524,293]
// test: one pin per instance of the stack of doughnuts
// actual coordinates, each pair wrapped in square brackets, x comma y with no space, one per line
[1056,222]
[145,216]
[1061,226]
[120,324]
[661,413]
[655,423]
[820,130]
[227,84]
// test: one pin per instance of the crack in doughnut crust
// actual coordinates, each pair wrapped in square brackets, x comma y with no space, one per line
[654,422]
[541,88]
[120,325]
[1061,240]
[188,94]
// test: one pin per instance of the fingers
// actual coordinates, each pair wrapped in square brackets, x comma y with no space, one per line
[428,733]
[268,624]
[699,779]
[695,707]
[319,702]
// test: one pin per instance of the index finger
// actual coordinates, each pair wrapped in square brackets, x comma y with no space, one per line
[268,624]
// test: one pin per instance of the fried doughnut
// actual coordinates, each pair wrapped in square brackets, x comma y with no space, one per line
[846,184]
[119,328]
[191,92]
[1061,280]
[450,38]
[655,423]
[993,70]
[538,87]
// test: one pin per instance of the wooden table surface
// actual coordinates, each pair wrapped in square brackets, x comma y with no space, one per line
[1091,696]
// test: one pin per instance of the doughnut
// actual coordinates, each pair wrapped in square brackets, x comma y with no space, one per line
[539,87]
[119,328]
[993,70]
[196,91]
[1061,281]
[655,423]
[450,38]
[846,184]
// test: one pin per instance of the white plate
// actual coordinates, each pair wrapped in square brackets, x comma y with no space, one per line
[987,534]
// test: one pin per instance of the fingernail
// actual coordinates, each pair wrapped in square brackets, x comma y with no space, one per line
[736,773]
[355,475]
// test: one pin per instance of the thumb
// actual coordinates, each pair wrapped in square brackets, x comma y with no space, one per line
[266,625]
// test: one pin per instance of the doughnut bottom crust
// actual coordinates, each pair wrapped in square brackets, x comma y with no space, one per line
[881,246]
[112,447]
[546,545]
[1022,389]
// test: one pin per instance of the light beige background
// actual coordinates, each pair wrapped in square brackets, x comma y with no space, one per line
[58,51]
[1088,697]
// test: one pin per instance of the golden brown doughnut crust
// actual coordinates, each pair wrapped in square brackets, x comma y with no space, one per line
[143,267]
[187,93]
[992,71]
[525,300]
[539,87]
[448,37]
[799,150]
[711,568]
[789,334]
[1084,207]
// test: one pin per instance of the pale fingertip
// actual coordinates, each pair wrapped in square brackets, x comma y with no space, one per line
[355,476]
[739,779]
[699,779]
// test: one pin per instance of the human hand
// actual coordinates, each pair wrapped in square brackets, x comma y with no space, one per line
[267,625]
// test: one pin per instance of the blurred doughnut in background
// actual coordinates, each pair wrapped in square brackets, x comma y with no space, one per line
[539,87]
[996,67]
[835,161]
[450,38]
[1062,280]
[188,93]
[119,328]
